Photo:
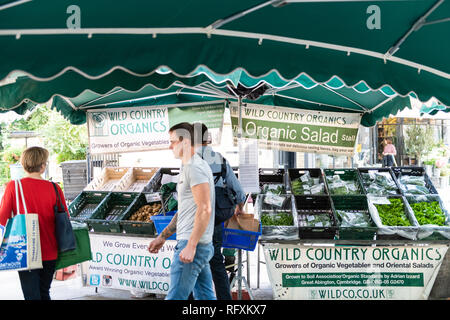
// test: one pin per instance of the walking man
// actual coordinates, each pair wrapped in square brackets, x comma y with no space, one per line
[193,223]
[215,161]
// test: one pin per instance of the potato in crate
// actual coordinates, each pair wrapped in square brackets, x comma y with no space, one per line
[137,218]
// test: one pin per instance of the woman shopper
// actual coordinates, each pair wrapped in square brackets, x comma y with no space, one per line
[40,198]
[389,153]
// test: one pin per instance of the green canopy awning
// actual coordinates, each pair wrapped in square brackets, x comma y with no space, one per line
[400,44]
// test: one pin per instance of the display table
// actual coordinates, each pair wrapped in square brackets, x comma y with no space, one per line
[354,269]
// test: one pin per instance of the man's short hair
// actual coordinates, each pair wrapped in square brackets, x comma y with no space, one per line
[33,158]
[184,130]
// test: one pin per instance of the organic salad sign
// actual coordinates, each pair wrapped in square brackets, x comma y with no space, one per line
[142,128]
[349,273]
[298,130]
[120,262]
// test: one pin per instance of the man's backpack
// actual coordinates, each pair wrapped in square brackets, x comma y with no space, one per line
[225,196]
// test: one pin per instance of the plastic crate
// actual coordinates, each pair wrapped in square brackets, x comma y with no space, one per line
[385,232]
[136,179]
[108,214]
[348,174]
[267,208]
[155,183]
[353,204]
[84,205]
[314,173]
[314,206]
[384,170]
[139,227]
[161,221]
[240,239]
[431,232]
[413,171]
[272,176]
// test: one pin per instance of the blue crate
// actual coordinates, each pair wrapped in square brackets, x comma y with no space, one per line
[161,222]
[240,239]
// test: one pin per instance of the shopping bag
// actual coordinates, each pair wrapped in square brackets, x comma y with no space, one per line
[83,248]
[63,229]
[21,245]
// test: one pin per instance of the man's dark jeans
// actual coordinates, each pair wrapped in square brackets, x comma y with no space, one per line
[36,283]
[217,264]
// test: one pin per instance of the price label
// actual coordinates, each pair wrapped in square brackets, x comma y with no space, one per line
[152,197]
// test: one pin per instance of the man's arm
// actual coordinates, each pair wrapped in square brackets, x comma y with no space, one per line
[202,199]
[159,241]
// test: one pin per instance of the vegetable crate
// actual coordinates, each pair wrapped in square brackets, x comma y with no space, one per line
[393,217]
[136,179]
[137,218]
[432,216]
[343,181]
[157,181]
[108,180]
[278,216]
[316,217]
[108,214]
[272,181]
[353,217]
[307,181]
[403,174]
[379,181]
[162,220]
[240,239]
[84,205]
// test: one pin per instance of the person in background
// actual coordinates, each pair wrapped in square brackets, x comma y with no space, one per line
[214,159]
[193,223]
[40,198]
[389,152]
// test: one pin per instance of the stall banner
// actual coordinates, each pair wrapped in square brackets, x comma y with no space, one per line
[301,272]
[144,128]
[121,262]
[297,130]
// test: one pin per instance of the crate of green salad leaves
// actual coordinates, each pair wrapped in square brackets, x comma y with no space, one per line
[272,181]
[432,216]
[379,181]
[393,217]
[343,182]
[278,216]
[354,220]
[316,217]
[414,180]
[307,181]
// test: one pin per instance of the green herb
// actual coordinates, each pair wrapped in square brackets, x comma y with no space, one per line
[277,219]
[428,213]
[354,218]
[393,214]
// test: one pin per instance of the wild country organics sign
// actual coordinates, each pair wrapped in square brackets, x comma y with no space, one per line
[124,263]
[362,273]
[297,130]
[142,128]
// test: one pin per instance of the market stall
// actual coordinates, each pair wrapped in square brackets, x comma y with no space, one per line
[368,233]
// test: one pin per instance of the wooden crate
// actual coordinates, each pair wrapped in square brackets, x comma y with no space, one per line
[107,180]
[136,179]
